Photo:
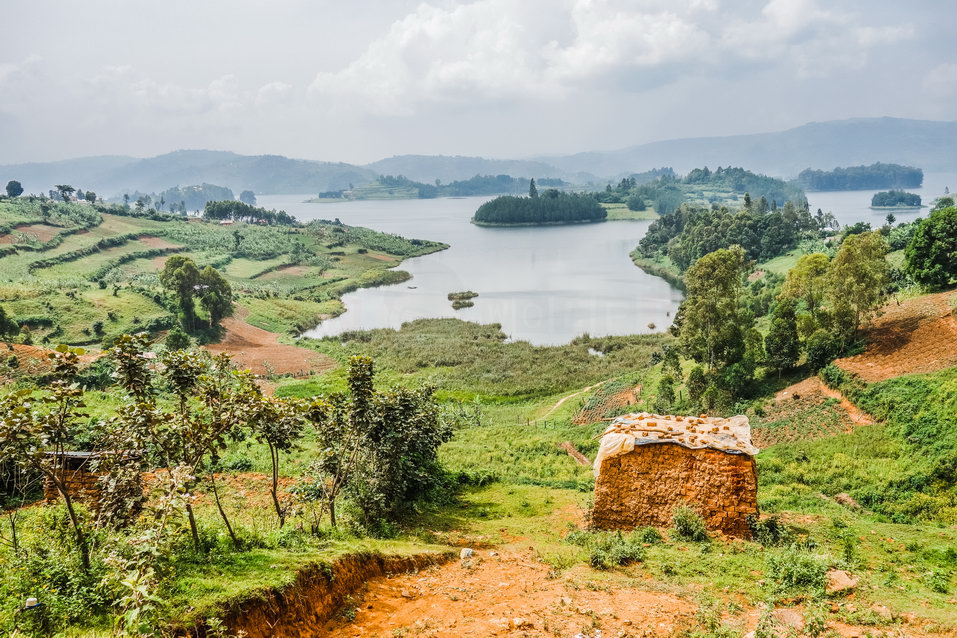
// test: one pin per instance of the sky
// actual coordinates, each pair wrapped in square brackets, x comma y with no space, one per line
[359,80]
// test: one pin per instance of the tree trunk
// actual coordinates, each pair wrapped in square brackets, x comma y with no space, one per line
[222,512]
[332,511]
[274,455]
[192,526]
[77,528]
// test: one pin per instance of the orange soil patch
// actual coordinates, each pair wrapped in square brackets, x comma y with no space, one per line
[260,351]
[43,232]
[511,593]
[34,360]
[813,385]
[793,403]
[156,242]
[609,403]
[285,270]
[916,336]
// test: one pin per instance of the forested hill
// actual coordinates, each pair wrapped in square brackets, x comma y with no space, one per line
[401,187]
[551,207]
[428,168]
[690,232]
[862,178]
[702,186]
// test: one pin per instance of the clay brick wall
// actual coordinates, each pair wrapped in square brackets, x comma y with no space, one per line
[645,486]
[82,486]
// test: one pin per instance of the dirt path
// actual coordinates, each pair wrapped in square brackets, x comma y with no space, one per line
[508,593]
[918,335]
[562,401]
[260,350]
[815,385]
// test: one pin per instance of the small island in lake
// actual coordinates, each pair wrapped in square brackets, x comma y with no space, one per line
[550,207]
[462,299]
[895,199]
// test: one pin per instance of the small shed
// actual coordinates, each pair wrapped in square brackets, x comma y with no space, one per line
[81,481]
[648,465]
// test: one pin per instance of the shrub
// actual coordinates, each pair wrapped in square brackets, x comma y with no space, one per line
[769,532]
[648,535]
[822,348]
[795,572]
[688,525]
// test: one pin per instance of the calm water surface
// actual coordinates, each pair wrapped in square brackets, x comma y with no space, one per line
[851,207]
[545,285]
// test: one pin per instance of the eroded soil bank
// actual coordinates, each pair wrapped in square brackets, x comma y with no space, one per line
[303,609]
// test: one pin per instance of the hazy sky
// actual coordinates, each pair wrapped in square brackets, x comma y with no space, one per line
[357,80]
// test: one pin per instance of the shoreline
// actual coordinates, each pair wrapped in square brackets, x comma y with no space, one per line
[568,223]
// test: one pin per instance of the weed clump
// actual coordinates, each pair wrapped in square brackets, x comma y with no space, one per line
[770,532]
[608,549]
[688,525]
[794,572]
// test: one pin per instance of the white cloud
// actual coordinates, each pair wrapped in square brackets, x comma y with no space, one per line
[493,50]
[942,80]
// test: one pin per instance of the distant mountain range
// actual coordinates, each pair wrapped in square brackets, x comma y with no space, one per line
[929,145]
[264,174]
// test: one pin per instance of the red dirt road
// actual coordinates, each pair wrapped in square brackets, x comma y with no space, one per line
[511,593]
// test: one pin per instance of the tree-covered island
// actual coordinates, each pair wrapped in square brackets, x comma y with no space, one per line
[895,199]
[550,207]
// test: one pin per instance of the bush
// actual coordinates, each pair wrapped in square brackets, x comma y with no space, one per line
[796,572]
[614,550]
[688,525]
[769,532]
[648,535]
[822,348]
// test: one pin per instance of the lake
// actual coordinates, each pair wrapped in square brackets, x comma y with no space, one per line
[851,207]
[546,285]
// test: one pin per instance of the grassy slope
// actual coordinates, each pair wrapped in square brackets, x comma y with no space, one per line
[61,302]
[620,212]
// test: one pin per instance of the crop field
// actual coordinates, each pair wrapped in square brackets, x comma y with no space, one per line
[87,275]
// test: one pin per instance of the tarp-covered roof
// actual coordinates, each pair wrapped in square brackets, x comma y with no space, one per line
[731,435]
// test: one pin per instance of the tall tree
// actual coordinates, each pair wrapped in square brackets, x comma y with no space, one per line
[532,190]
[65,190]
[215,295]
[858,278]
[181,276]
[808,281]
[14,188]
[35,433]
[782,344]
[712,324]
[932,252]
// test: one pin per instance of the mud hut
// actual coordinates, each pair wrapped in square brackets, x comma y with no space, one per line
[77,472]
[648,465]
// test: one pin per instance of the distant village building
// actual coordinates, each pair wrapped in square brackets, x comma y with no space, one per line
[649,465]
